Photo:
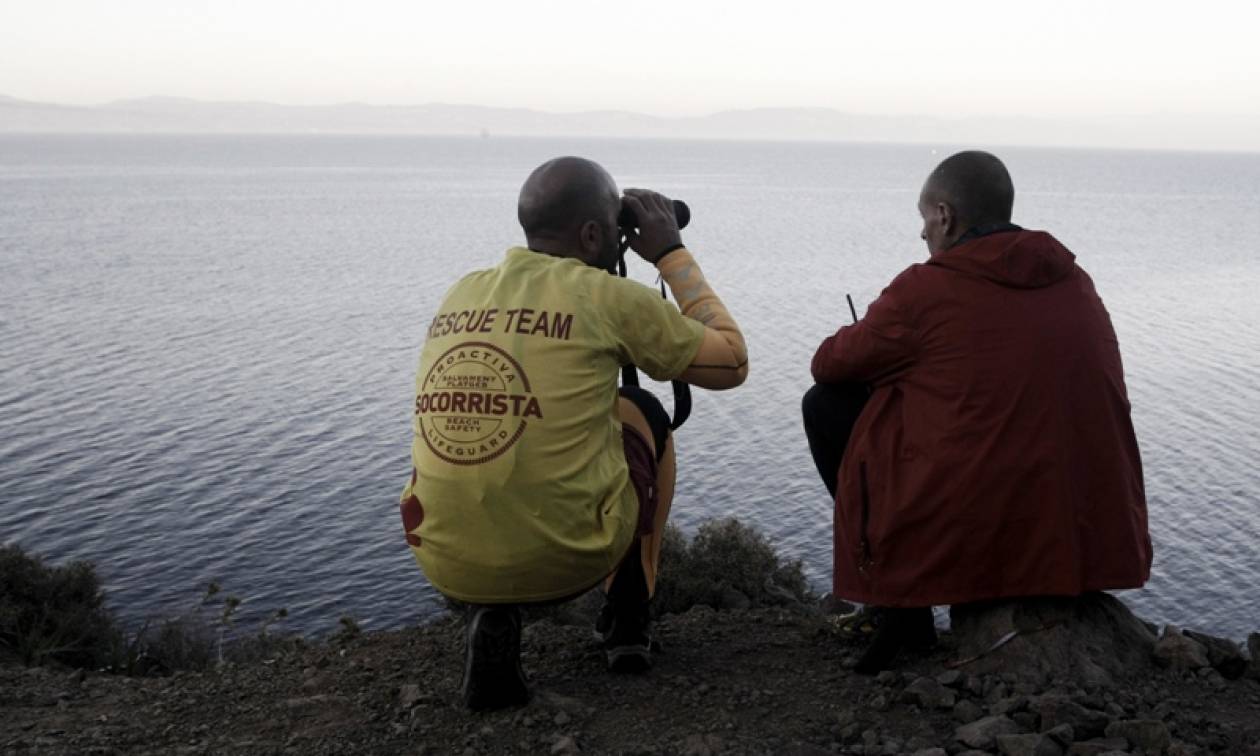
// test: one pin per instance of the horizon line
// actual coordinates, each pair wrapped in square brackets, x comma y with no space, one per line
[593,111]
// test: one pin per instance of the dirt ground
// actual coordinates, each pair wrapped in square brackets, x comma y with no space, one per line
[757,681]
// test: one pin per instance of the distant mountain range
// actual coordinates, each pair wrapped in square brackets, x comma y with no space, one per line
[174,115]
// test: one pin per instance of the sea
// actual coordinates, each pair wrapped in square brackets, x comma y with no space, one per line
[208,345]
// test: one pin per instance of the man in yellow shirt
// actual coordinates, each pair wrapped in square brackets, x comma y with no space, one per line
[534,478]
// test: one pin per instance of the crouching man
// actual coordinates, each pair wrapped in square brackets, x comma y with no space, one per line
[974,428]
[534,477]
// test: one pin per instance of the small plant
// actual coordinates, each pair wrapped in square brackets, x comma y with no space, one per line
[348,630]
[201,638]
[278,615]
[52,613]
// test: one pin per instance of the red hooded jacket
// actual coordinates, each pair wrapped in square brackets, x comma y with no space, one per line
[996,456]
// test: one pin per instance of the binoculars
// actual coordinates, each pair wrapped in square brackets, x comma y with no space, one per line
[627,220]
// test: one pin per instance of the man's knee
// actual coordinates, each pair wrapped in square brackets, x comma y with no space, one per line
[834,401]
[653,412]
[813,401]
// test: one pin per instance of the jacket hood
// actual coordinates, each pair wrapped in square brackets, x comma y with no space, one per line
[1018,259]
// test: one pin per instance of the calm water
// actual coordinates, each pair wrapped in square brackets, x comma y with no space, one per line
[207,345]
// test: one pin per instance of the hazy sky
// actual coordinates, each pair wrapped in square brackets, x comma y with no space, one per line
[1061,58]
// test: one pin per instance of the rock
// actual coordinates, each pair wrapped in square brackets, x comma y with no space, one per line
[1062,735]
[983,733]
[950,678]
[805,749]
[1175,650]
[1017,745]
[1098,746]
[561,719]
[554,700]
[1026,720]
[1224,655]
[699,744]
[967,711]
[565,745]
[1029,745]
[1093,638]
[1009,705]
[1150,735]
[1058,710]
[995,690]
[929,694]
[408,696]
[931,752]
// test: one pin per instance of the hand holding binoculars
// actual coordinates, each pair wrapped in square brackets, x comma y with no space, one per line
[627,219]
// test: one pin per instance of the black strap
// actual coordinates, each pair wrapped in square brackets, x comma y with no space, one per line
[630,375]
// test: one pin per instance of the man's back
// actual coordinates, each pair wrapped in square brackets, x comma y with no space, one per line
[996,456]
[517,444]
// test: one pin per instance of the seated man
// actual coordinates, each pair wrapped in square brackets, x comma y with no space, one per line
[973,428]
[534,478]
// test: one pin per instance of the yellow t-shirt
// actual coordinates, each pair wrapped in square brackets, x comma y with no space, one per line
[520,490]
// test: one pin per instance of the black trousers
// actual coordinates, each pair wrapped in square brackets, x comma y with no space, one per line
[831,410]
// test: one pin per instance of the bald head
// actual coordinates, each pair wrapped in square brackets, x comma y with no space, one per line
[966,190]
[560,197]
[976,185]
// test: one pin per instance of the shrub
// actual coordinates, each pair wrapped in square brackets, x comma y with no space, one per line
[58,614]
[727,565]
[52,613]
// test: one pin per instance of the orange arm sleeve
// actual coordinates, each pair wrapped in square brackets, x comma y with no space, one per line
[722,361]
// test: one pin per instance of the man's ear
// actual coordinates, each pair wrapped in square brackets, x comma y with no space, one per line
[946,217]
[590,239]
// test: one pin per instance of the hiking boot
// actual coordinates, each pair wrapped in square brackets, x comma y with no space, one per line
[627,642]
[493,678]
[897,630]
[860,624]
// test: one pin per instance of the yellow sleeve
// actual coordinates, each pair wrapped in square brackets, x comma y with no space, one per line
[647,330]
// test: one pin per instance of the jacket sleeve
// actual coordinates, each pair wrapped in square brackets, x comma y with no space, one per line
[876,348]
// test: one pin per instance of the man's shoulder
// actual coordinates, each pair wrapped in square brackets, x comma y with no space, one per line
[914,276]
[517,262]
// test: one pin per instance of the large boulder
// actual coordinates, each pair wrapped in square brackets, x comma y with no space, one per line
[1093,638]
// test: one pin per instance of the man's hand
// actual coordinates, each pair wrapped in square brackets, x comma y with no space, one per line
[658,228]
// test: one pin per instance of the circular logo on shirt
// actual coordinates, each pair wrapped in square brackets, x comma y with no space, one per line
[474,404]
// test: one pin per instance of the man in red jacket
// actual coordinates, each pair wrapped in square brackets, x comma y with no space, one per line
[974,426]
